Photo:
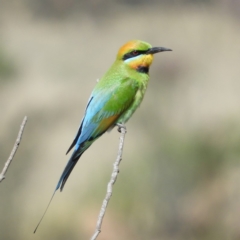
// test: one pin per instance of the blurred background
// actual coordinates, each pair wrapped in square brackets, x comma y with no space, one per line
[180,174]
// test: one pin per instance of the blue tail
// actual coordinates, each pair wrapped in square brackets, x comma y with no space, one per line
[66,172]
[68,169]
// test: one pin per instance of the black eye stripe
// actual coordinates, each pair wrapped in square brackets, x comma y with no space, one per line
[143,69]
[133,53]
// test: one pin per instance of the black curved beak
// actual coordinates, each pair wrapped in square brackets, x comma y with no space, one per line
[157,49]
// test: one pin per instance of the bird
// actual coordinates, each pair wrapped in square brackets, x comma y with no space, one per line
[113,100]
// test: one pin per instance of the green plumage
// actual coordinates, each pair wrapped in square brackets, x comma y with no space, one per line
[124,87]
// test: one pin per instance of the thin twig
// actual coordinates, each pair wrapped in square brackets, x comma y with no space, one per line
[14,150]
[122,129]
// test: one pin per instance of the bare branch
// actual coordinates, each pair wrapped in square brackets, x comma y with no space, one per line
[122,129]
[14,150]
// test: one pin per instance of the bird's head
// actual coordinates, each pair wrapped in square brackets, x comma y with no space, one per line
[138,54]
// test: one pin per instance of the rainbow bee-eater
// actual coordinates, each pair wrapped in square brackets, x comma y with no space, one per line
[113,100]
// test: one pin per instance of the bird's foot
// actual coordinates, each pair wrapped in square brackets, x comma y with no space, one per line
[121,125]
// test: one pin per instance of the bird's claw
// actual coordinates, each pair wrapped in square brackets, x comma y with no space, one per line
[121,125]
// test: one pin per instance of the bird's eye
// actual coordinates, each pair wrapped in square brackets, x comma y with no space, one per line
[134,52]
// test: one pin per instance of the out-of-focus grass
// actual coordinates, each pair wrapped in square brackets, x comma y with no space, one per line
[161,186]
[179,175]
[7,66]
